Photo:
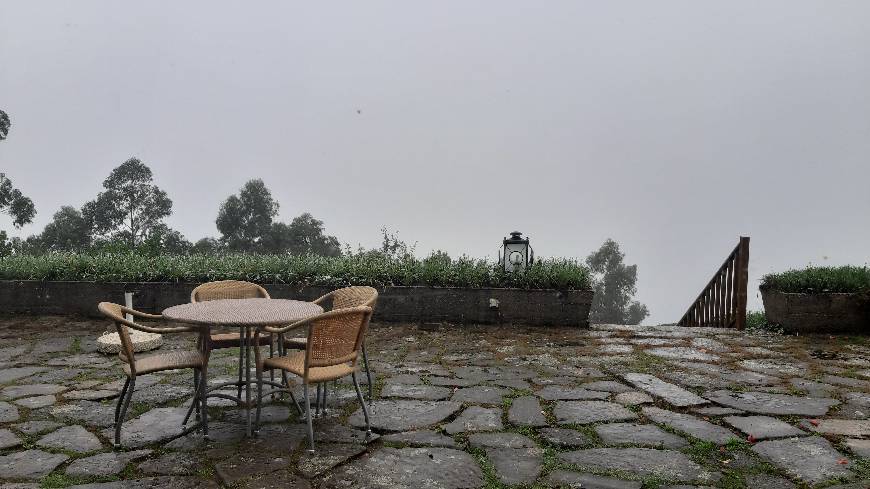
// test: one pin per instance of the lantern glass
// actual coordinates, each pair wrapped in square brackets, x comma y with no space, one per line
[515,256]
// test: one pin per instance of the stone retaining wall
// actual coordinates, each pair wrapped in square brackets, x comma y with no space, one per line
[396,304]
[818,313]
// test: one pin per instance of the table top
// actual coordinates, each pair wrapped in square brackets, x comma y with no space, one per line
[243,312]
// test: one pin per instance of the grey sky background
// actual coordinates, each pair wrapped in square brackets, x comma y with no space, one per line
[670,126]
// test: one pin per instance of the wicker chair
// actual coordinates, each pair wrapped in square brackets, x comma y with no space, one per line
[334,342]
[342,298]
[229,289]
[172,360]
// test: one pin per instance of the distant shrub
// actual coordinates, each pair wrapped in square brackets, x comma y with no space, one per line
[367,268]
[819,279]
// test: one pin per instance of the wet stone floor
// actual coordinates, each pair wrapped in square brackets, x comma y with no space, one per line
[458,407]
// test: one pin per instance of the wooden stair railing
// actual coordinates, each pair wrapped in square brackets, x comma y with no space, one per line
[722,303]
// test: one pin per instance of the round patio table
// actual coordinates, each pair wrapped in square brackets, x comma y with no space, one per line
[245,314]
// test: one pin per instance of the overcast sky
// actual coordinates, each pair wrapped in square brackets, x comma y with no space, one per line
[672,127]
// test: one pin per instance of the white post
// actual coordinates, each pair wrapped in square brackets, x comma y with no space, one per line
[128,301]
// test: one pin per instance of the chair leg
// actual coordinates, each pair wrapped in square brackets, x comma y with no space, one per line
[259,399]
[317,402]
[241,365]
[194,403]
[368,371]
[121,398]
[310,418]
[271,371]
[363,404]
[123,413]
[203,397]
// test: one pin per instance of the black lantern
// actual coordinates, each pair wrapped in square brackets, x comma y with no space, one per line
[516,254]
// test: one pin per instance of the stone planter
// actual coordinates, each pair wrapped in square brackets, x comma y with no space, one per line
[818,312]
[540,307]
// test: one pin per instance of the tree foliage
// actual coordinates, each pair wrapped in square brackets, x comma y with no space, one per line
[614,286]
[304,235]
[5,124]
[131,207]
[245,220]
[15,204]
[246,223]
[67,231]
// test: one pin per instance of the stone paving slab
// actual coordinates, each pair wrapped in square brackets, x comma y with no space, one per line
[848,427]
[104,464]
[412,391]
[668,464]
[585,412]
[156,425]
[860,448]
[810,459]
[763,427]
[482,394]
[404,415]
[515,466]
[673,394]
[690,425]
[565,478]
[8,439]
[565,393]
[564,437]
[424,438]
[16,391]
[638,434]
[71,438]
[765,403]
[29,464]
[398,468]
[526,411]
[476,418]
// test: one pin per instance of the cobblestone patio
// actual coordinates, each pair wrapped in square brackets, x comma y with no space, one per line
[459,407]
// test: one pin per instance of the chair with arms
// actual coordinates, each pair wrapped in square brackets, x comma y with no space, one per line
[171,360]
[346,297]
[332,351]
[230,289]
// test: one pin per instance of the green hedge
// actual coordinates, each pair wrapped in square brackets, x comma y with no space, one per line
[360,269]
[820,279]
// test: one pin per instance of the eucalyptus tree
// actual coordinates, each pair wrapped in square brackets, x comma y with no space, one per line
[245,220]
[16,205]
[614,284]
[130,208]
[67,231]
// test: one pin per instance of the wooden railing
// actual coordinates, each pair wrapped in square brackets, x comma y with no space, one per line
[722,303]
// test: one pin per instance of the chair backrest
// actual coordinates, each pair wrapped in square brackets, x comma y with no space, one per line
[115,313]
[227,289]
[335,337]
[355,296]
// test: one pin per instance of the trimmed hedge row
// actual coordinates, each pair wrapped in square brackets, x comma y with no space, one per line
[845,279]
[360,269]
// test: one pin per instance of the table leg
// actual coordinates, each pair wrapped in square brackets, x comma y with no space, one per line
[248,379]
[203,381]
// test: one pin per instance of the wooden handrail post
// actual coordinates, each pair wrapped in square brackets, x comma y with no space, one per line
[742,282]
